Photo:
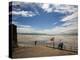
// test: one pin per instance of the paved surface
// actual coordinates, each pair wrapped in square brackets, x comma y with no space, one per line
[38,51]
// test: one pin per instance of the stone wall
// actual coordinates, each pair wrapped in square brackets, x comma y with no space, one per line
[13,35]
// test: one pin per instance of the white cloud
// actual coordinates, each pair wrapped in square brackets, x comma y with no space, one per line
[46,7]
[24,26]
[17,3]
[66,24]
[20,25]
[68,27]
[23,13]
[19,9]
[65,9]
[70,17]
[55,23]
[25,30]
[13,22]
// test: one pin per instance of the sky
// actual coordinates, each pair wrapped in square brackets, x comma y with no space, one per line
[44,18]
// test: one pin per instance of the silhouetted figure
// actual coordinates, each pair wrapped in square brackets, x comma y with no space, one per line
[60,46]
[35,43]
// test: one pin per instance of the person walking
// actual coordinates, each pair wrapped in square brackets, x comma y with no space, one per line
[35,43]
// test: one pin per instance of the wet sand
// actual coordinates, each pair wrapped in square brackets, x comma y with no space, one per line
[39,51]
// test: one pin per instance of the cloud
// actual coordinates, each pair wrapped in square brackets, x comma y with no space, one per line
[66,24]
[21,25]
[46,7]
[22,9]
[17,3]
[55,23]
[64,9]
[25,26]
[14,22]
[25,30]
[70,17]
[68,27]
[23,13]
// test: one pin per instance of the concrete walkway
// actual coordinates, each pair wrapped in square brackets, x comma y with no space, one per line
[38,51]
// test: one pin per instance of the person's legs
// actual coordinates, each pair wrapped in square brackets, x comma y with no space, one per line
[61,46]
[53,44]
[35,43]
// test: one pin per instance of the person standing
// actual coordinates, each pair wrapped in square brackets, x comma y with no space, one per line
[52,39]
[60,45]
[35,43]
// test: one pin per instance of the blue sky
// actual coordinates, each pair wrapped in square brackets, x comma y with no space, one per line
[44,18]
